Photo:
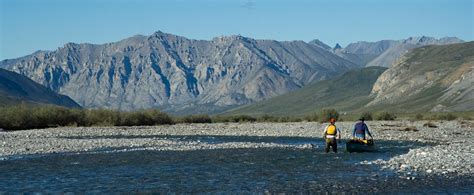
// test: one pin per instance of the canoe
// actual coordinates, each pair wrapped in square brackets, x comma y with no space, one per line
[360,146]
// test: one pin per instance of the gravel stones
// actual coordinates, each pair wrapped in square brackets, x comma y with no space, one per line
[448,149]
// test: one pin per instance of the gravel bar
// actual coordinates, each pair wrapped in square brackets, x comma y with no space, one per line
[448,147]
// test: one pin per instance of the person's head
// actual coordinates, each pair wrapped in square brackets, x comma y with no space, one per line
[332,120]
[362,119]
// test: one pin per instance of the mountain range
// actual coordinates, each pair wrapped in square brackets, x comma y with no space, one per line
[384,53]
[187,76]
[177,74]
[435,78]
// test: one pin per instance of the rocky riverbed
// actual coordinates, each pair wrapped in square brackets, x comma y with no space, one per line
[233,157]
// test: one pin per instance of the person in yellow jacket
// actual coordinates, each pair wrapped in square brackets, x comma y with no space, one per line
[330,133]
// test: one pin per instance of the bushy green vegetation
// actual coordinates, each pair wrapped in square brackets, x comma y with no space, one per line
[202,118]
[385,116]
[287,119]
[263,118]
[419,117]
[145,117]
[367,116]
[24,116]
[464,115]
[29,117]
[100,117]
[446,116]
[235,119]
[313,117]
[329,113]
[268,118]
[281,119]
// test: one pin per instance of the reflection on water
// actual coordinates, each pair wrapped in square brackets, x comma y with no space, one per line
[219,170]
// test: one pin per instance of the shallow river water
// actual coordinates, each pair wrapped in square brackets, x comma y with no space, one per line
[253,170]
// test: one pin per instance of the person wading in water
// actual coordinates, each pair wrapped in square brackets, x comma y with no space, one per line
[361,130]
[330,133]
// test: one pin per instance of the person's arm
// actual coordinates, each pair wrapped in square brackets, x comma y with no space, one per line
[367,130]
[354,131]
[325,130]
[339,134]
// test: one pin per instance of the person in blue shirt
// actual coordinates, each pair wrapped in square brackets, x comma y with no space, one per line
[360,130]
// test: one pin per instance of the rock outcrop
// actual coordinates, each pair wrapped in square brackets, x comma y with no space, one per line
[431,78]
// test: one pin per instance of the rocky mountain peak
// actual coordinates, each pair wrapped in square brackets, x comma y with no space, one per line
[70,45]
[337,47]
[419,40]
[425,40]
[451,40]
[158,34]
[321,44]
[231,38]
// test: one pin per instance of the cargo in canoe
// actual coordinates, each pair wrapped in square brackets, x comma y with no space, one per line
[360,146]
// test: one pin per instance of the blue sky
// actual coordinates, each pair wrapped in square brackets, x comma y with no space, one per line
[30,25]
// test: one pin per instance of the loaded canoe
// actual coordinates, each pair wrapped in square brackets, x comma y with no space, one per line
[360,146]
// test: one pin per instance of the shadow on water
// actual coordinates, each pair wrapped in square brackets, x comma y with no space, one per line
[218,170]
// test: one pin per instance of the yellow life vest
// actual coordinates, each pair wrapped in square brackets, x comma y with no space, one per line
[331,130]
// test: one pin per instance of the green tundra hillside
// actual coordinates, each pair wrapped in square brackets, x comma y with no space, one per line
[348,91]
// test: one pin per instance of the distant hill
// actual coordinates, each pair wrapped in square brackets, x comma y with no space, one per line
[348,91]
[430,78]
[177,74]
[385,52]
[15,89]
